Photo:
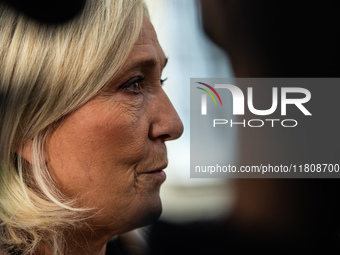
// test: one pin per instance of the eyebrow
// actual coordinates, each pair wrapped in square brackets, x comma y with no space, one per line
[151,62]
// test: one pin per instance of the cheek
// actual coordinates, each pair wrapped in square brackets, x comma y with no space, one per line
[97,146]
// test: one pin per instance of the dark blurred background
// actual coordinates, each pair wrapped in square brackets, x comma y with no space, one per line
[48,12]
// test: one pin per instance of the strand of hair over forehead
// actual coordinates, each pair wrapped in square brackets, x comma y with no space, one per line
[45,74]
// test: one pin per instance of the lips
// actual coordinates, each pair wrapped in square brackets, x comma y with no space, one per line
[158,169]
[156,173]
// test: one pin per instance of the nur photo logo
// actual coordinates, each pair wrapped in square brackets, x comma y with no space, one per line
[274,116]
[204,97]
[280,98]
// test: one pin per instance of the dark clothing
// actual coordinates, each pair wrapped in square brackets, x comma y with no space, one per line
[114,247]
[216,238]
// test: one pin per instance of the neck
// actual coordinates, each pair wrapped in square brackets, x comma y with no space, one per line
[80,244]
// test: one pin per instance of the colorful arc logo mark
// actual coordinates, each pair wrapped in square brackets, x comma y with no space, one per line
[204,97]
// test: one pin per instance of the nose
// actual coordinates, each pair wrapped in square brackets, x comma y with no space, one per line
[165,123]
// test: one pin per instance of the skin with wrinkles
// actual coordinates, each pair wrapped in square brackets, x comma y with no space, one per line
[103,152]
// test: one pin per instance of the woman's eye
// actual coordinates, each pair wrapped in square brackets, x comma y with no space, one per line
[134,85]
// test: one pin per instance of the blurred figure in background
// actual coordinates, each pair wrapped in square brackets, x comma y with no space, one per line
[273,39]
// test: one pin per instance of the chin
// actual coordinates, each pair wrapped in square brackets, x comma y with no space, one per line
[150,213]
[153,216]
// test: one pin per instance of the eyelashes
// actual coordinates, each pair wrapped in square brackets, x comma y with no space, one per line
[135,85]
[163,81]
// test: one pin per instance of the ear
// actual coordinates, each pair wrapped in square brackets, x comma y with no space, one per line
[26,151]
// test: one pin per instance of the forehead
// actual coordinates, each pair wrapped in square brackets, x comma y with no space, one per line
[147,46]
[147,33]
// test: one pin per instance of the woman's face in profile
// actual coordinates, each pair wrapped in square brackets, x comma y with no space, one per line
[110,152]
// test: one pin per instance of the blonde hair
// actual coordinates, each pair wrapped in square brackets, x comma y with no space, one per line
[46,72]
